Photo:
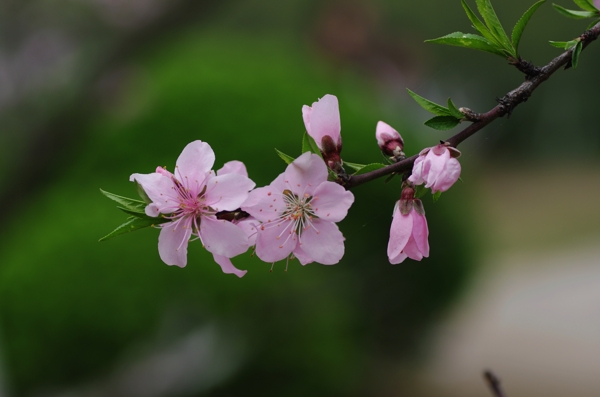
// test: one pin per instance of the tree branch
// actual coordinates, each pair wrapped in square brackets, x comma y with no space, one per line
[506,105]
[493,383]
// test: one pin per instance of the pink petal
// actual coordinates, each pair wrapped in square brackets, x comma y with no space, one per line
[400,232]
[325,120]
[228,267]
[398,259]
[227,192]
[302,257]
[306,111]
[448,176]
[173,242]
[384,128]
[412,250]
[436,164]
[420,233]
[331,201]
[266,203]
[305,173]
[418,170]
[249,226]
[233,167]
[323,242]
[152,210]
[194,164]
[160,189]
[223,238]
[275,242]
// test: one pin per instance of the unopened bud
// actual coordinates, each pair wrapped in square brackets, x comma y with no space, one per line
[390,142]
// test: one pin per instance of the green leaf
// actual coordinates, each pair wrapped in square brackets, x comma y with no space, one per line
[131,225]
[564,45]
[130,204]
[309,145]
[284,157]
[522,22]
[354,166]
[454,110]
[436,196]
[586,5]
[142,193]
[576,52]
[428,105]
[573,13]
[442,122]
[369,168]
[493,23]
[471,41]
[154,220]
[420,191]
[591,25]
[477,24]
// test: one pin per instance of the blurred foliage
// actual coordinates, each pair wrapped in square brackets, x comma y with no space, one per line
[70,307]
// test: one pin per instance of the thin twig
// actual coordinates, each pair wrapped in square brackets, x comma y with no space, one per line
[493,383]
[505,106]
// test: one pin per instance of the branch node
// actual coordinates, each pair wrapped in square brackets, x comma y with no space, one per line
[526,67]
[470,115]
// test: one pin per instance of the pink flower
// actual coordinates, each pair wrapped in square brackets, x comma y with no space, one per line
[437,167]
[298,211]
[597,4]
[389,140]
[191,198]
[322,122]
[408,234]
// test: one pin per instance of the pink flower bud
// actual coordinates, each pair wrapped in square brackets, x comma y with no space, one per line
[408,233]
[437,167]
[322,122]
[389,140]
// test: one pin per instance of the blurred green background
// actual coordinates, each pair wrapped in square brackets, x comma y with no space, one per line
[93,91]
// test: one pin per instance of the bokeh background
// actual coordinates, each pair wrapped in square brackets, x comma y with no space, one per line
[94,90]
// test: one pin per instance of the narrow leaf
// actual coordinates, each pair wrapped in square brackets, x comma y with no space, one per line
[142,193]
[428,105]
[284,157]
[354,166]
[436,196]
[522,22]
[493,23]
[591,25]
[309,145]
[130,204]
[131,225]
[586,5]
[576,52]
[369,168]
[442,123]
[573,13]
[472,41]
[454,110]
[477,24]
[154,220]
[564,45]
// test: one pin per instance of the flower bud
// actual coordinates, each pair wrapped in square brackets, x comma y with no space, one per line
[390,142]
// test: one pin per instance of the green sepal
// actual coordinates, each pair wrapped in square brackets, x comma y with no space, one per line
[354,166]
[127,203]
[436,196]
[586,5]
[477,24]
[284,157]
[576,52]
[454,110]
[564,45]
[133,224]
[521,23]
[428,105]
[573,13]
[471,41]
[493,23]
[369,168]
[442,123]
[420,191]
[309,145]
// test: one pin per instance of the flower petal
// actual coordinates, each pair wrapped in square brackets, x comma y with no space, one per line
[228,267]
[194,165]
[398,259]
[233,167]
[331,201]
[400,232]
[275,241]
[249,226]
[447,177]
[323,242]
[173,242]
[302,257]
[227,192]
[420,233]
[305,174]
[306,112]
[418,171]
[437,162]
[160,189]
[384,132]
[412,250]
[266,203]
[223,238]
[325,120]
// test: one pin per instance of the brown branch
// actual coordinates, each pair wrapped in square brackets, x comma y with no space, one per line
[505,106]
[493,383]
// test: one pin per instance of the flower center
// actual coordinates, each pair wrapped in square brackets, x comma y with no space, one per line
[298,210]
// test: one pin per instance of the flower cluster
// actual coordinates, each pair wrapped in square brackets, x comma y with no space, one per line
[293,217]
